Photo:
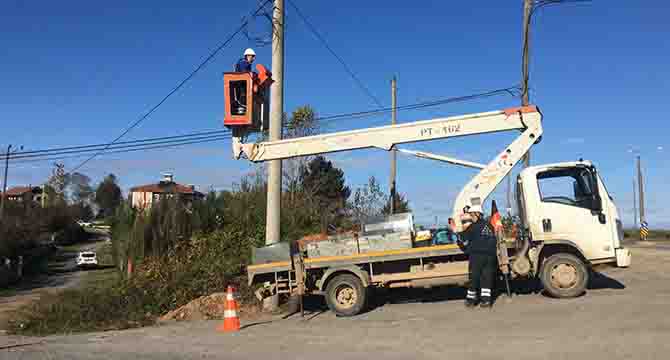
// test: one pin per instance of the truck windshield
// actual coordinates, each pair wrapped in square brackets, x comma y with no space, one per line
[573,186]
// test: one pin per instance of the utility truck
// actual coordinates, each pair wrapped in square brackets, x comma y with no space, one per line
[569,223]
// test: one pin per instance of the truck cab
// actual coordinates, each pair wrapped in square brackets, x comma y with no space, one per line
[566,209]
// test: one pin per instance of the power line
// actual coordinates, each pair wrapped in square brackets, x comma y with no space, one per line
[119,145]
[316,33]
[504,91]
[144,148]
[179,86]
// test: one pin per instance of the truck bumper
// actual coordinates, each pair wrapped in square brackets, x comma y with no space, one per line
[623,257]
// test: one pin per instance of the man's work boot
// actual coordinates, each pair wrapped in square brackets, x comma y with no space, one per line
[471,299]
[486,298]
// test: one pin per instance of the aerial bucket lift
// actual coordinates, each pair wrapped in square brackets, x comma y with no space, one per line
[246,97]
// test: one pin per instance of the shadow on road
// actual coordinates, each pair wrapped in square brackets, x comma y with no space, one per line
[255,324]
[316,305]
[602,281]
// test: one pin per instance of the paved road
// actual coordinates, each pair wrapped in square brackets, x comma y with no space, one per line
[625,316]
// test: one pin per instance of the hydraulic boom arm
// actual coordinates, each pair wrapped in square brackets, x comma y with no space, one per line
[527,119]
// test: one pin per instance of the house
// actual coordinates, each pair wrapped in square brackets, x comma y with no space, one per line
[24,194]
[145,196]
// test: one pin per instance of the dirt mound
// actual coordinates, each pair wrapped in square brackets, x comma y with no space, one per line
[210,307]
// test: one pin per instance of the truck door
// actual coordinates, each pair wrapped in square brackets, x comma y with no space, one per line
[571,209]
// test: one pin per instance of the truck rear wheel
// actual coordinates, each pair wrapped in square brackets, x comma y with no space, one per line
[564,275]
[346,295]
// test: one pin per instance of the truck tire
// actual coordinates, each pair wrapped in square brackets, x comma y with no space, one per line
[564,275]
[346,295]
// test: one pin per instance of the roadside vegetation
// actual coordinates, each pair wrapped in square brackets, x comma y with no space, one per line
[30,230]
[177,251]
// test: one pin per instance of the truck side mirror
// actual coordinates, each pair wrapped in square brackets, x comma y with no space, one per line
[596,203]
[601,218]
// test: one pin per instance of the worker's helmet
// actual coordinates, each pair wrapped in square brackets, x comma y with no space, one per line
[474,209]
[249,51]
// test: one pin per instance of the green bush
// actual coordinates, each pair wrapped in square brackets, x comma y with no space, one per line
[203,265]
[90,309]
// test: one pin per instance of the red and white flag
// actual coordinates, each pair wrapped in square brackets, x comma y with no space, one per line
[496,218]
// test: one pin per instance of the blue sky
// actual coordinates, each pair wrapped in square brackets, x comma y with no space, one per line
[78,72]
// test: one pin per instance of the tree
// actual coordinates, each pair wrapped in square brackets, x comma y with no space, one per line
[401,205]
[302,123]
[80,187]
[82,210]
[108,195]
[324,186]
[367,201]
[57,183]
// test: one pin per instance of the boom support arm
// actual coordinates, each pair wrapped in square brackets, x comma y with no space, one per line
[384,137]
[483,184]
[528,119]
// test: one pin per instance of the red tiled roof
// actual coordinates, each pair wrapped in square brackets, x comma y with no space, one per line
[163,188]
[19,190]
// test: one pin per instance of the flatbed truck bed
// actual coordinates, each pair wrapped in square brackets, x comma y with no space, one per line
[357,259]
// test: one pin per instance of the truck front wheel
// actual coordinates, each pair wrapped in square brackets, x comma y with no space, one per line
[564,275]
[346,295]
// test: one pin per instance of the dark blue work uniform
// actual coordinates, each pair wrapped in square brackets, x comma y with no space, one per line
[243,66]
[481,249]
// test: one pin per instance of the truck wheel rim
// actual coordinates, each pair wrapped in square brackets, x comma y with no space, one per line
[564,276]
[346,296]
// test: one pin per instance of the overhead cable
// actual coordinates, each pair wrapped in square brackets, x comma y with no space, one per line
[346,67]
[126,150]
[179,86]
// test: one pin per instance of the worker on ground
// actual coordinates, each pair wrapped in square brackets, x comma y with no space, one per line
[244,64]
[481,249]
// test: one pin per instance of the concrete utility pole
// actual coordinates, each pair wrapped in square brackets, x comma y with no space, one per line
[640,183]
[634,203]
[394,154]
[527,7]
[4,186]
[272,229]
[272,222]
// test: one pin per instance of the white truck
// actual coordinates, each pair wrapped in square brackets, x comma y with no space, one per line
[569,221]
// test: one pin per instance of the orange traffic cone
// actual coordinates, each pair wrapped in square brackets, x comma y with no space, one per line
[231,322]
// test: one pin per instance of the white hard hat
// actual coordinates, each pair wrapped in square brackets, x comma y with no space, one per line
[249,51]
[475,208]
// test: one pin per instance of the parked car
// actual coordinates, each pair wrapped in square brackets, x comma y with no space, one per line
[83,223]
[87,259]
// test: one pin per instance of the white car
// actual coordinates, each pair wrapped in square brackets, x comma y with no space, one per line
[87,259]
[83,223]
